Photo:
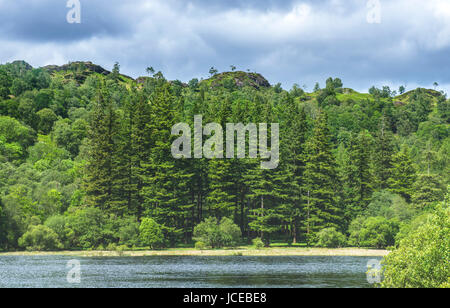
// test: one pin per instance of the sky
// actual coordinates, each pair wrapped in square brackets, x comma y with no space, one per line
[363,42]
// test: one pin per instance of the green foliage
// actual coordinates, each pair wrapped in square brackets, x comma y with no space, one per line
[200,245]
[103,162]
[57,223]
[100,171]
[383,154]
[19,208]
[408,227]
[151,234]
[86,228]
[128,232]
[385,92]
[422,259]
[403,175]
[208,232]
[357,174]
[330,238]
[3,226]
[46,119]
[322,208]
[388,205]
[217,235]
[69,135]
[412,114]
[258,243]
[374,232]
[5,83]
[14,138]
[428,190]
[40,238]
[230,232]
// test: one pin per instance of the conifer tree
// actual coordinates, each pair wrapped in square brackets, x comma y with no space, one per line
[403,175]
[384,150]
[321,209]
[293,153]
[100,176]
[427,190]
[265,189]
[166,197]
[220,197]
[142,141]
[357,175]
[264,215]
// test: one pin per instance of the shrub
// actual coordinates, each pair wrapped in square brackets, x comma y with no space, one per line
[215,235]
[230,232]
[422,259]
[376,232]
[389,206]
[151,233]
[330,238]
[208,232]
[258,243]
[200,245]
[58,224]
[86,228]
[411,226]
[122,248]
[111,247]
[40,238]
[128,232]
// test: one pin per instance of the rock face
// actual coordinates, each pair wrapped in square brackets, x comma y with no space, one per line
[74,66]
[22,64]
[240,79]
[80,70]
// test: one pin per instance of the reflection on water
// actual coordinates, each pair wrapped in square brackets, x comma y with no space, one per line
[187,272]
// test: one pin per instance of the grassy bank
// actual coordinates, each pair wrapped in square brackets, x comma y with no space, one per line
[244,251]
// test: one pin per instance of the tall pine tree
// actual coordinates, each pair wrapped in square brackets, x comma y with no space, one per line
[357,175]
[403,175]
[165,193]
[321,208]
[101,167]
[384,150]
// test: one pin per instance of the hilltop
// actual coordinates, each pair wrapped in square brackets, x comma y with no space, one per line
[406,97]
[79,71]
[238,79]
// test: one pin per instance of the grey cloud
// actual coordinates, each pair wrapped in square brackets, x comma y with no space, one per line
[45,20]
[287,41]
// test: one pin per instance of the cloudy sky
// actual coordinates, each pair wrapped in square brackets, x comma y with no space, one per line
[288,41]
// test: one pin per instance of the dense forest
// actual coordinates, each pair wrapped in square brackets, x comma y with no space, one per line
[85,161]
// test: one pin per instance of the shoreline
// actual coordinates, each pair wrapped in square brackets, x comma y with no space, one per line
[344,252]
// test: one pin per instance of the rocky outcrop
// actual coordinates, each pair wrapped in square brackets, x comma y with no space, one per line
[81,69]
[77,66]
[240,79]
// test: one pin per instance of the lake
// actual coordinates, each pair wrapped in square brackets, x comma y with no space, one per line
[187,272]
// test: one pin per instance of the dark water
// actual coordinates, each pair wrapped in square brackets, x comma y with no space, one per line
[187,272]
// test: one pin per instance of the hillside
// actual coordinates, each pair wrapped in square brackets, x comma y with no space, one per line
[408,96]
[79,71]
[86,161]
[238,79]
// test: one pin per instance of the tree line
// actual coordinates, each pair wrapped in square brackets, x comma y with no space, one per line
[86,162]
